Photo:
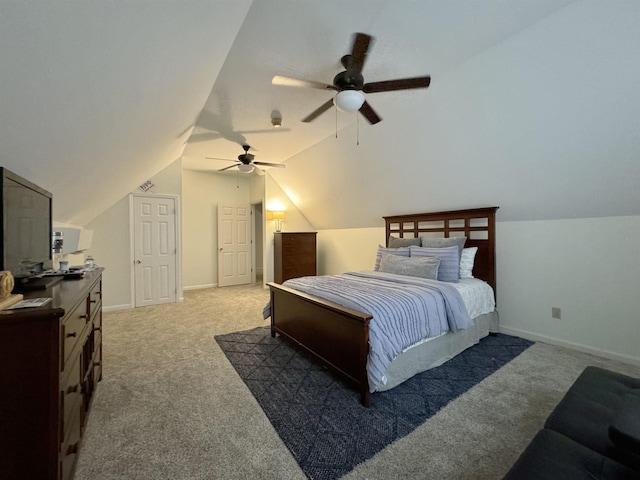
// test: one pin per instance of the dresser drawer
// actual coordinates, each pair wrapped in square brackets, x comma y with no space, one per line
[95,299]
[306,247]
[293,260]
[73,331]
[70,396]
[70,448]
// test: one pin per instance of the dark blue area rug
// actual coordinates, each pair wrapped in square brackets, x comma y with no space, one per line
[319,417]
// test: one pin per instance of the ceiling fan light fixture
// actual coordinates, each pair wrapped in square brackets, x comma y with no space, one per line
[349,100]
[245,168]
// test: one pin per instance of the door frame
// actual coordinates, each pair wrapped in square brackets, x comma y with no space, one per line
[257,230]
[178,230]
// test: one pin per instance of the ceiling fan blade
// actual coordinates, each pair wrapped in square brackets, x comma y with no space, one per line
[227,168]
[359,50]
[369,113]
[278,165]
[318,111]
[399,84]
[295,82]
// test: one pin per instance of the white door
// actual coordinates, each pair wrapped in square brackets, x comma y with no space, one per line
[154,250]
[234,244]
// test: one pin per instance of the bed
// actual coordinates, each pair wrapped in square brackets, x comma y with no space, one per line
[339,336]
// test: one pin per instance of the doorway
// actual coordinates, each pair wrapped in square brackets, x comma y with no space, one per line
[258,242]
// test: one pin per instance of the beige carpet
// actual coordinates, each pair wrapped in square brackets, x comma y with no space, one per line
[170,406]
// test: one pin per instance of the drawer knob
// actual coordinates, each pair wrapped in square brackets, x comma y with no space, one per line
[97,329]
[92,301]
[73,389]
[72,334]
[71,449]
[97,364]
[85,316]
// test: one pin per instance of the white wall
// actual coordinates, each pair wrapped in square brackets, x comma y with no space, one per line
[350,249]
[202,192]
[590,268]
[110,245]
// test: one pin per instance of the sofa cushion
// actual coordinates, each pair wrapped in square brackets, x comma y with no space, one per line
[551,456]
[586,411]
[624,430]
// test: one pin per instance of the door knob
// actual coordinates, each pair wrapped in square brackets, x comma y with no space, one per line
[138,261]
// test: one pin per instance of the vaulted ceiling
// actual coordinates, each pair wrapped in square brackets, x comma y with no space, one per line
[532,106]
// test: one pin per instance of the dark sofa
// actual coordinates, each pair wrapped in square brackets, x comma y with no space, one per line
[593,433]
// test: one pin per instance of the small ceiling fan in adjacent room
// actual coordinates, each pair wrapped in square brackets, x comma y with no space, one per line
[350,84]
[245,162]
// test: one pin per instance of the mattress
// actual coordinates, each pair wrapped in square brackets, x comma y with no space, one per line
[477,296]
[479,300]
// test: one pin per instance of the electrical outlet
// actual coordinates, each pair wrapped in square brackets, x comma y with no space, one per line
[556,313]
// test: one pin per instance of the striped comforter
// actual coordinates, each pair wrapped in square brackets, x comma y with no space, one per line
[405,310]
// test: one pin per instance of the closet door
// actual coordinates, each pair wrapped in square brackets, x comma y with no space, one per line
[234,244]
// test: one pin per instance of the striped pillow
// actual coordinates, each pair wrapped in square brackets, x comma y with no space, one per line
[449,269]
[401,251]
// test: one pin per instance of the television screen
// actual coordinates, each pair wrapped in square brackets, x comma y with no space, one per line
[26,226]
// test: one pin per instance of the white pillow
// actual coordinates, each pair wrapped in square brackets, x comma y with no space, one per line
[466,262]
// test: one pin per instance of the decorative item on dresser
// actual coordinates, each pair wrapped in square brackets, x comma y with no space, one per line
[50,364]
[294,255]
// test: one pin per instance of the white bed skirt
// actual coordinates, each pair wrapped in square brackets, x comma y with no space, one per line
[435,352]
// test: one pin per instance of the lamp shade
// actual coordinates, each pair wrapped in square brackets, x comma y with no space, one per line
[275,215]
[245,168]
[349,100]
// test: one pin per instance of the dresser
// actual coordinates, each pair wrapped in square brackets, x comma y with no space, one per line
[50,365]
[294,255]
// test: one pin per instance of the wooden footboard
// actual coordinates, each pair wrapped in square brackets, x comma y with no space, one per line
[335,335]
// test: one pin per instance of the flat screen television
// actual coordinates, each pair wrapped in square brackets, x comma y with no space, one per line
[26,227]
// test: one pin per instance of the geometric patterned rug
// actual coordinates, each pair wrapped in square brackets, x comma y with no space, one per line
[319,416]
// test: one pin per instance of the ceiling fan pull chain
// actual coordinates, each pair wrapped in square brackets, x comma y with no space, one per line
[336,122]
[357,129]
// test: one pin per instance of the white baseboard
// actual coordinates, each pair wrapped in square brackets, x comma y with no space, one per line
[200,287]
[114,308]
[574,346]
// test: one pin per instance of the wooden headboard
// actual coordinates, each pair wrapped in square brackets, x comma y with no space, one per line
[477,224]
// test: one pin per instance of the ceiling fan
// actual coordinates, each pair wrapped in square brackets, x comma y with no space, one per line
[350,84]
[245,162]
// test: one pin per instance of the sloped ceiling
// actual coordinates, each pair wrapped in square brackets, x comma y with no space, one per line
[532,107]
[98,96]
[543,124]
